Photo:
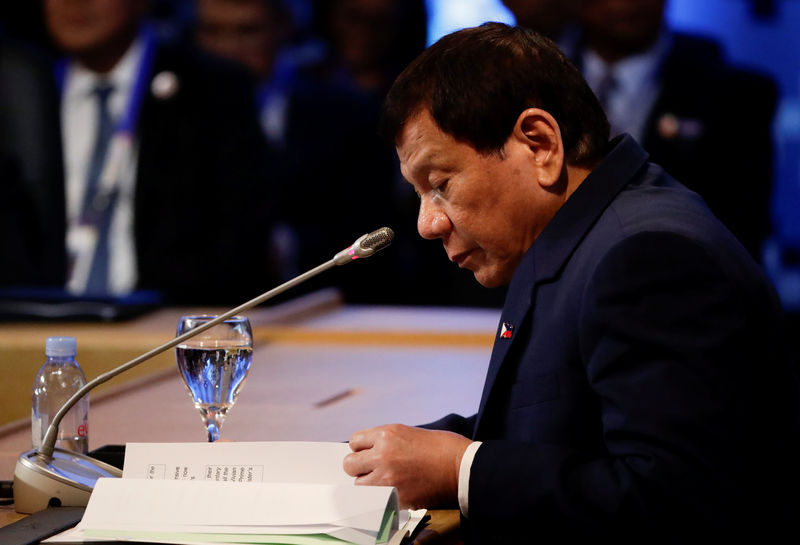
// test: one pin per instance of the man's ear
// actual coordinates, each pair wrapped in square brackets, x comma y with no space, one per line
[539,131]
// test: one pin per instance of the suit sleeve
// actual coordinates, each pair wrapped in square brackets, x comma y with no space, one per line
[676,350]
[455,423]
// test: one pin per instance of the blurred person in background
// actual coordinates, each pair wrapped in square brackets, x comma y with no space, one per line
[322,150]
[256,34]
[165,185]
[31,175]
[556,19]
[320,114]
[687,105]
[369,43]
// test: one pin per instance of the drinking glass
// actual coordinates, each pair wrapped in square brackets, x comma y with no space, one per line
[214,365]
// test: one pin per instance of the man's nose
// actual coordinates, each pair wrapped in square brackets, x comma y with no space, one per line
[432,221]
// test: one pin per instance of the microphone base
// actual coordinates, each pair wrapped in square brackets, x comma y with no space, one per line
[65,479]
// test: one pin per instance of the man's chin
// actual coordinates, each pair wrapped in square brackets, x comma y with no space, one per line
[492,277]
[487,281]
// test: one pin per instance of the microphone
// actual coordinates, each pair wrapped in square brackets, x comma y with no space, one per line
[365,246]
[52,476]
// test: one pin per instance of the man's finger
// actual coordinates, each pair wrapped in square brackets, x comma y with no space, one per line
[363,439]
[357,464]
[366,480]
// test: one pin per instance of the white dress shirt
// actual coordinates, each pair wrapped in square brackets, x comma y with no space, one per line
[463,476]
[79,118]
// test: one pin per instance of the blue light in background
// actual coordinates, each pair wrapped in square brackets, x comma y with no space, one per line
[770,45]
[446,16]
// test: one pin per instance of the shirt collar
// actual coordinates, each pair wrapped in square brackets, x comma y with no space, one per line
[80,81]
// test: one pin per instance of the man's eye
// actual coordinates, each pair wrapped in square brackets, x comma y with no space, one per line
[441,186]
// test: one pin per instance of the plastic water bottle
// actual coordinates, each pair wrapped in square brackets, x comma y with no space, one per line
[57,380]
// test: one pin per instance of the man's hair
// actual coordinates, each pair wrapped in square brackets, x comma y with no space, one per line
[476,82]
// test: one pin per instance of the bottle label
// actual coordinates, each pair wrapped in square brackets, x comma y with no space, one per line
[36,432]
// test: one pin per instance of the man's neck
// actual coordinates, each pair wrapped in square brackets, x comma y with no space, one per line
[575,177]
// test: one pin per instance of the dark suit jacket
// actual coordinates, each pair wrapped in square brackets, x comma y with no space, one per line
[203,195]
[715,103]
[644,393]
[696,132]
[202,188]
[32,204]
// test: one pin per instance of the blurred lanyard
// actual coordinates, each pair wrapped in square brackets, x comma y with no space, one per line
[120,150]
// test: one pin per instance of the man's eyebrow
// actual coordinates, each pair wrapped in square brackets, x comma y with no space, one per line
[432,160]
[417,166]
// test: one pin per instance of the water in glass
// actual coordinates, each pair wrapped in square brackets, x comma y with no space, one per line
[214,365]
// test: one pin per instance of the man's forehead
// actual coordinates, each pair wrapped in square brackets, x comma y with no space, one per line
[421,140]
[414,127]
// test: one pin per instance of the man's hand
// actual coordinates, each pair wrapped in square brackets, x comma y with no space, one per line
[422,464]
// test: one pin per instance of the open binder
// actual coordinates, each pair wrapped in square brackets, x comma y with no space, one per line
[293,493]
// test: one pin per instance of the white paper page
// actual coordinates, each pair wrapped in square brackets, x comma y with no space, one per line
[72,535]
[409,520]
[262,461]
[77,536]
[117,503]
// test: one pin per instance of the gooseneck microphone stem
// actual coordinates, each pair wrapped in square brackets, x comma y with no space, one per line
[365,246]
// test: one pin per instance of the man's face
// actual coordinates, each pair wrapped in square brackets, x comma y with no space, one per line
[487,209]
[364,31]
[87,26]
[244,31]
[628,24]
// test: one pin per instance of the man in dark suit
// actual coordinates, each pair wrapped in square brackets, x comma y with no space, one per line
[639,388]
[30,162]
[182,183]
[679,97]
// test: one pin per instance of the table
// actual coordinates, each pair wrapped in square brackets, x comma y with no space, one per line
[321,370]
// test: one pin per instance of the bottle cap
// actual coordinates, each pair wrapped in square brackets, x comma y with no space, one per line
[61,346]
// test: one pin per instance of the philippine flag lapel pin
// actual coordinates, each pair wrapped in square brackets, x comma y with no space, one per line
[506,330]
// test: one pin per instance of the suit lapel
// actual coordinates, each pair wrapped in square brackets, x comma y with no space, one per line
[518,303]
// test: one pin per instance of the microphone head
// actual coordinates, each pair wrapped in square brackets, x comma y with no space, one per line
[373,242]
[365,246]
